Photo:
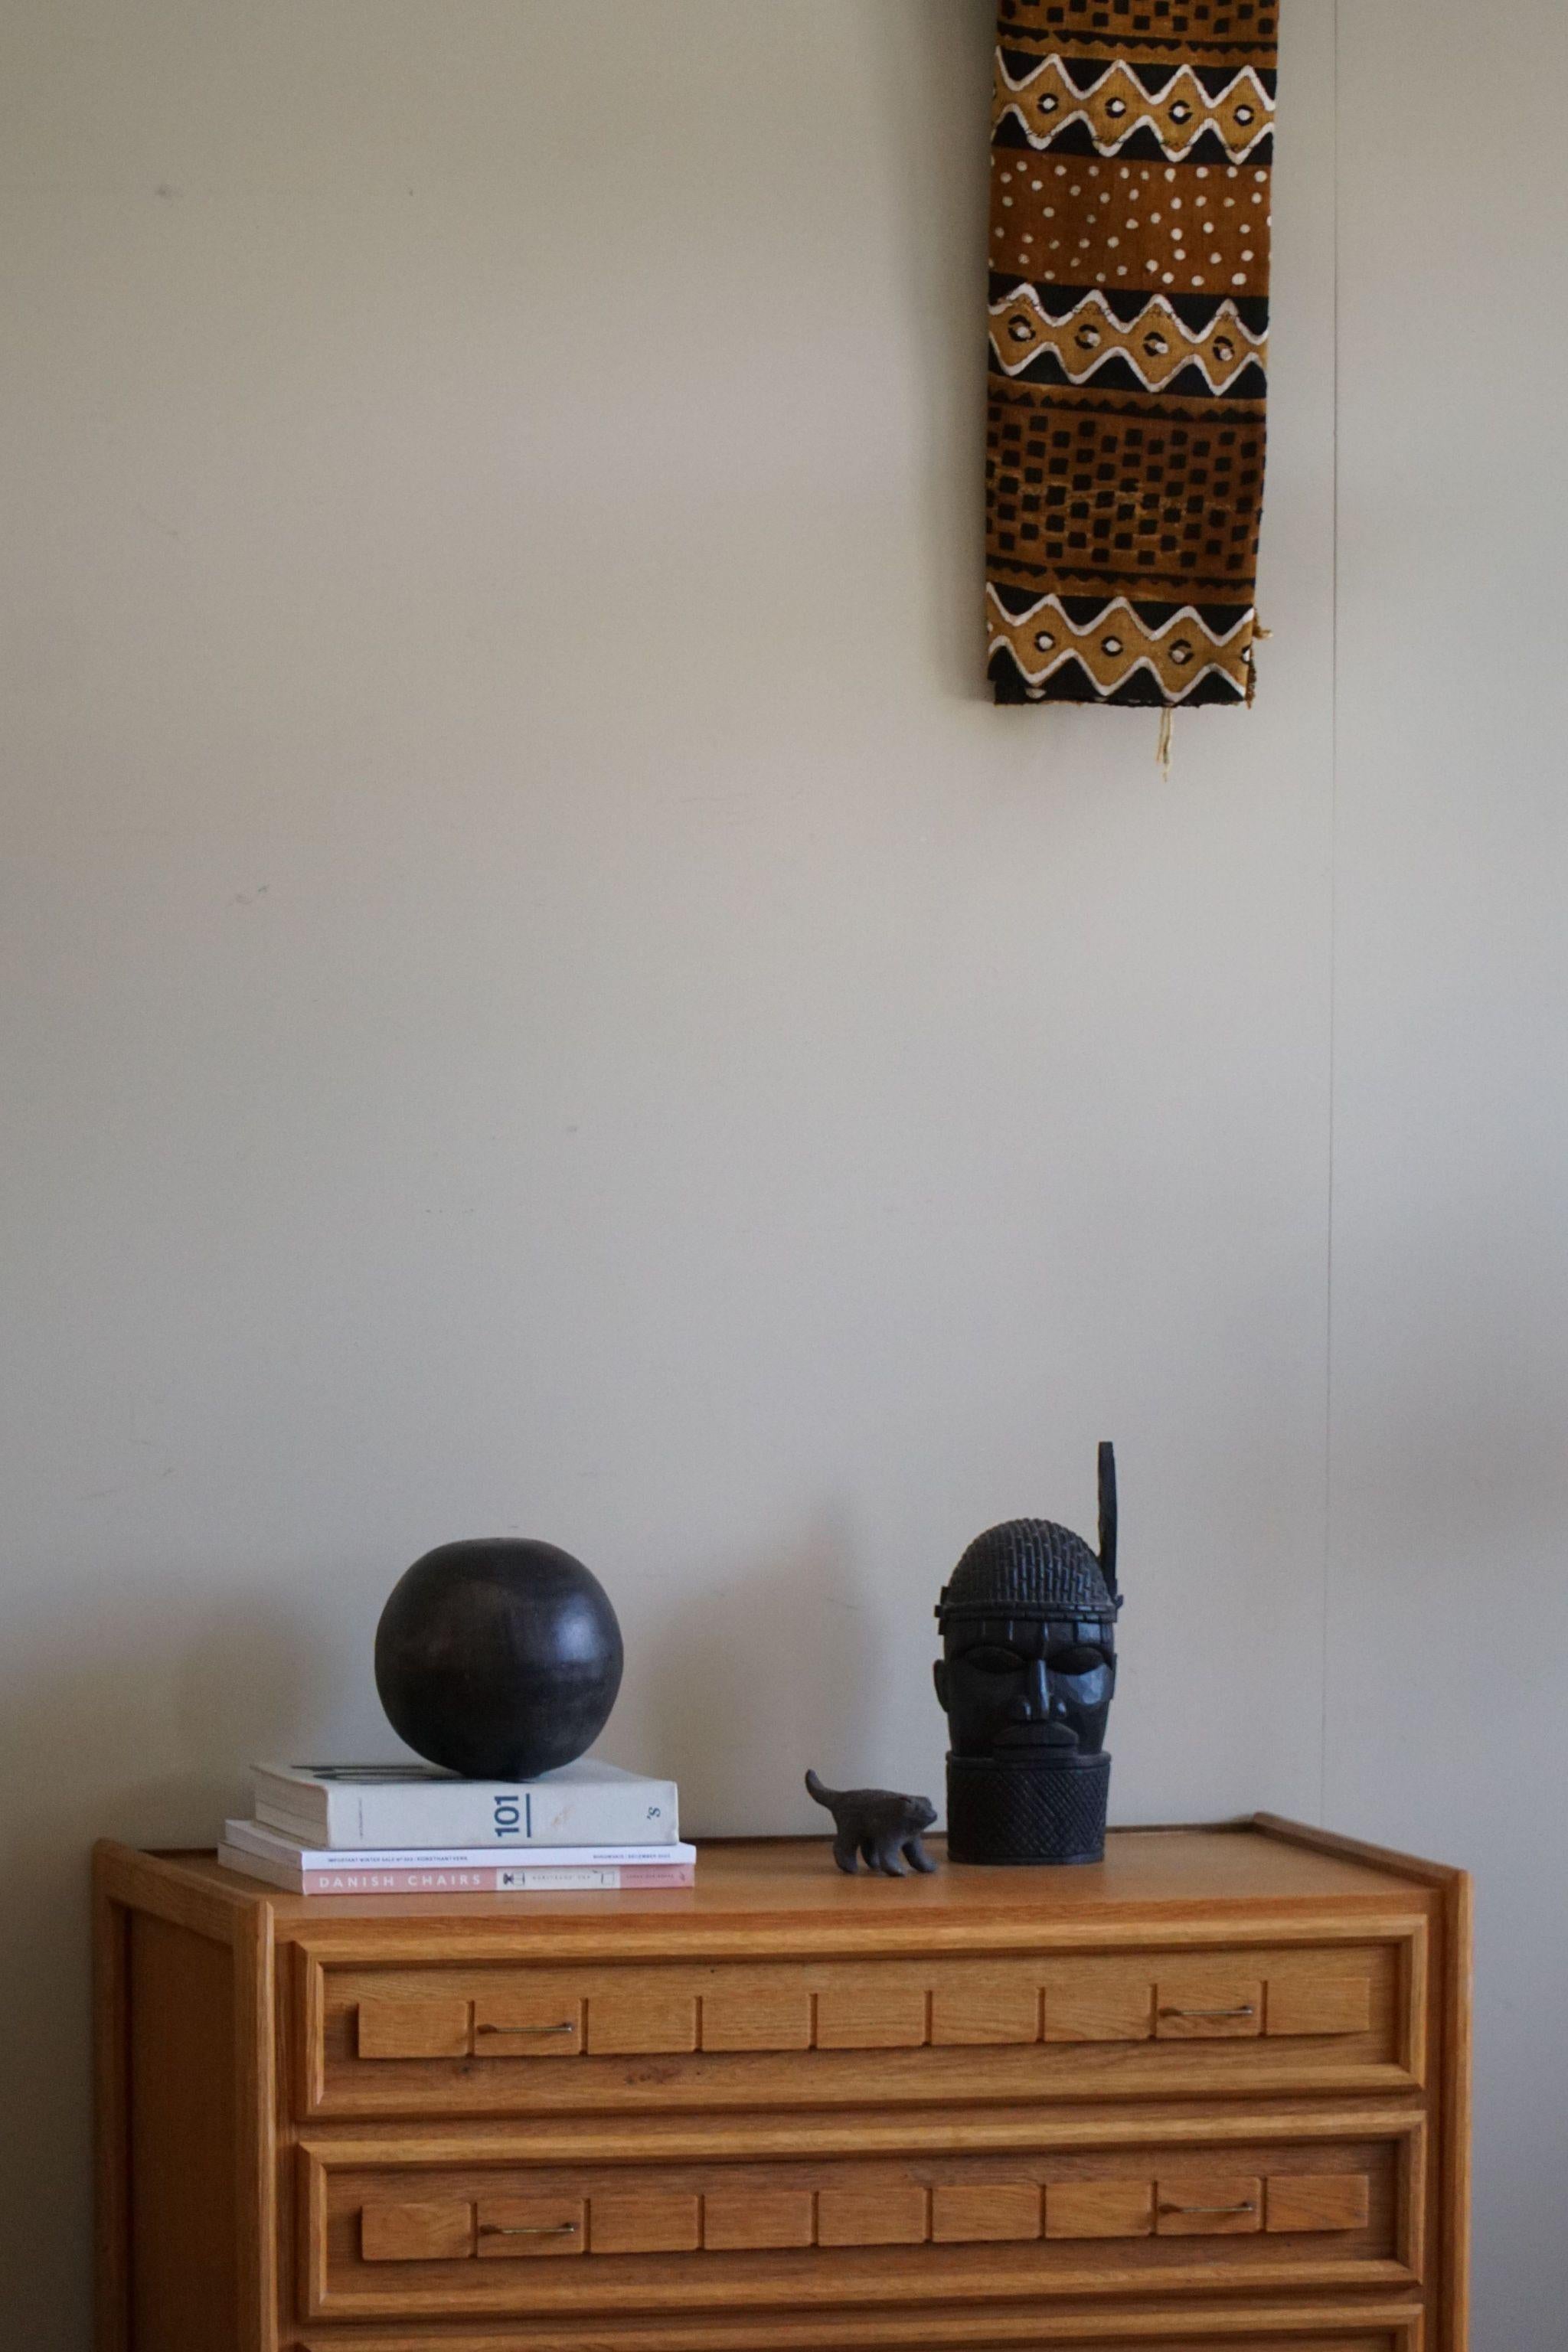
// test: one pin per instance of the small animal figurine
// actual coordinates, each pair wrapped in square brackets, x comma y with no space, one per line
[878,1825]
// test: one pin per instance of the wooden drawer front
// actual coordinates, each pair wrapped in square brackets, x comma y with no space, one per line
[492,2038]
[1245,2329]
[420,2241]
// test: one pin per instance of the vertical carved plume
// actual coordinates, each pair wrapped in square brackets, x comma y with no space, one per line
[1108,1518]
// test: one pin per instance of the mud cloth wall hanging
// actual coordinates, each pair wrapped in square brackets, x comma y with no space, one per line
[1131,148]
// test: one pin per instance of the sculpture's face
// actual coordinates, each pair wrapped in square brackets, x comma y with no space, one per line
[1010,1684]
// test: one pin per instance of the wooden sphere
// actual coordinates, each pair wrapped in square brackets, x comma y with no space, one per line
[498,1658]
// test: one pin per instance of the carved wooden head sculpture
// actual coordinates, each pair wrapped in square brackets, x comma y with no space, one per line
[1026,1676]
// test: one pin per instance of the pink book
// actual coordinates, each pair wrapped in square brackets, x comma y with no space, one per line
[497,1878]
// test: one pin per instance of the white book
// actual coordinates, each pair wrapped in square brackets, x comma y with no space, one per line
[516,1875]
[298,1854]
[352,1808]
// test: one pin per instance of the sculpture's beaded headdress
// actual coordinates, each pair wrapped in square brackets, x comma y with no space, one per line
[1032,1567]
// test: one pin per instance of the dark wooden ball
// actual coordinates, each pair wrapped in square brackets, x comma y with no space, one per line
[499,1659]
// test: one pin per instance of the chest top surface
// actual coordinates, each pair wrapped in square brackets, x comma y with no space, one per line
[1148,1875]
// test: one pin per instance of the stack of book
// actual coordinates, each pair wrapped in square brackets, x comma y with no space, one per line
[411,1829]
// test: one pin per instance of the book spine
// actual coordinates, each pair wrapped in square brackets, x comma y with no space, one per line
[498,1879]
[295,1853]
[460,1813]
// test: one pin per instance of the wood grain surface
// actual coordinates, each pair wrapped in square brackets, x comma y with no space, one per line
[1213,2094]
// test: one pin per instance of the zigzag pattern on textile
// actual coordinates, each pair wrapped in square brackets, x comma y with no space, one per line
[1092,107]
[1156,346]
[1176,654]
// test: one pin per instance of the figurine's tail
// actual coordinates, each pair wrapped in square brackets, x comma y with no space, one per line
[824,1796]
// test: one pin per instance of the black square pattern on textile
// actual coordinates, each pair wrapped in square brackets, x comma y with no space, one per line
[1202,20]
[1117,491]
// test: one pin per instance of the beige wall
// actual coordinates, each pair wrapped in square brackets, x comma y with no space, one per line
[1447,1605]
[537,994]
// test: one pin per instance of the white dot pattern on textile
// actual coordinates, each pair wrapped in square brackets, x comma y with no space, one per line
[1179,217]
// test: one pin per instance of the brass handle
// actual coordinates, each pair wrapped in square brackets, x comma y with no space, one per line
[528,2229]
[570,2028]
[1246,2009]
[1247,2208]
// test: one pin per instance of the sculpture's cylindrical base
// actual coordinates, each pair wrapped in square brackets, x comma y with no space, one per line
[1040,1806]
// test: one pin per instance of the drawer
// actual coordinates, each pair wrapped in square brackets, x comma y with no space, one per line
[500,2231]
[513,2037]
[1247,2328]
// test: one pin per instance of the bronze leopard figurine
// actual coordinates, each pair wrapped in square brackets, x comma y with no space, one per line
[878,1825]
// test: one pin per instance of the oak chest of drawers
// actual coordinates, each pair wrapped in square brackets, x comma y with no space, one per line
[1211,2095]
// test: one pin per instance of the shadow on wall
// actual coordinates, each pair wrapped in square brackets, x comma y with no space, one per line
[779,1659]
[133,1703]
[931,60]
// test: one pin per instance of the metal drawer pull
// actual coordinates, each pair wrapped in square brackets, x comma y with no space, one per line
[571,2028]
[530,2228]
[1246,2009]
[1247,2208]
